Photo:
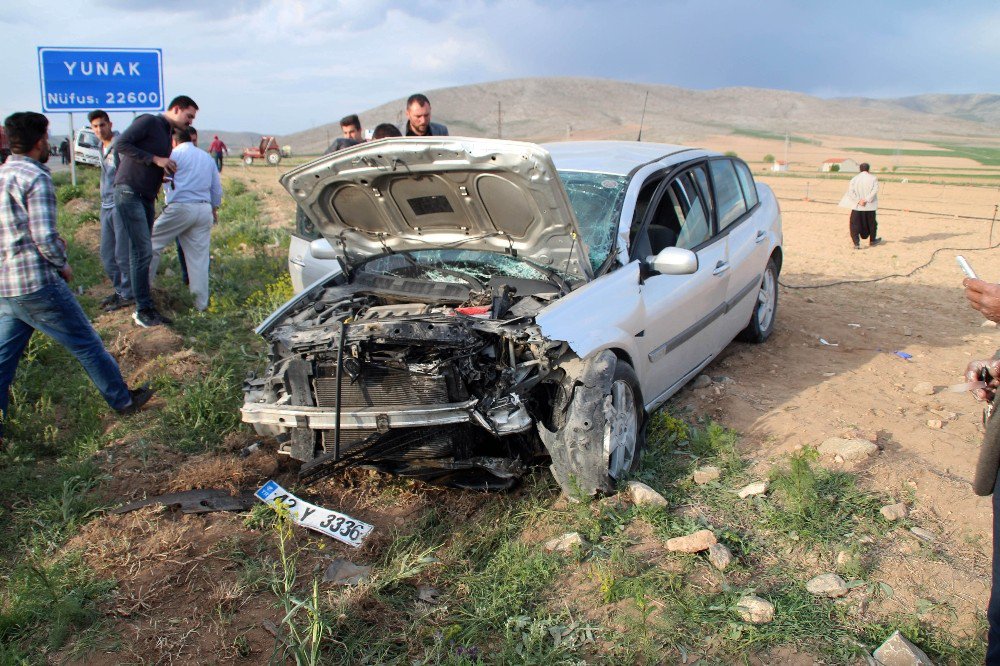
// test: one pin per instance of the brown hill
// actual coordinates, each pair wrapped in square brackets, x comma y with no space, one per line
[542,109]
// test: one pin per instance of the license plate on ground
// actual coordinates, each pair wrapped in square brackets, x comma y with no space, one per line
[331,523]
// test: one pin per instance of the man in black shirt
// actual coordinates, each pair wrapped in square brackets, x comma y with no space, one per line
[144,159]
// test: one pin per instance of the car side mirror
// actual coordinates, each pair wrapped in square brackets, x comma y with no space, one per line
[321,249]
[673,261]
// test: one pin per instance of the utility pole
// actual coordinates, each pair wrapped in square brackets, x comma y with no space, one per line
[786,148]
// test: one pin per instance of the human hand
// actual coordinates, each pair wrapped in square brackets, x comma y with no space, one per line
[862,202]
[66,271]
[987,371]
[983,296]
[215,216]
[165,163]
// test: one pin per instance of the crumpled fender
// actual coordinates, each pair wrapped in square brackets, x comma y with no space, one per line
[579,462]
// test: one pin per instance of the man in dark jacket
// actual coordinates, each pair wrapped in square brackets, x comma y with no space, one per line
[144,159]
[418,118]
[985,297]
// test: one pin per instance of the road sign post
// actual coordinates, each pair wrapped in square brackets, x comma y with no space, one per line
[83,79]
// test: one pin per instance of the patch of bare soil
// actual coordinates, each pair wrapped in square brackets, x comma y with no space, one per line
[179,598]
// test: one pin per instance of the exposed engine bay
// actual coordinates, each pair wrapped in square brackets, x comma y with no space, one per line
[447,382]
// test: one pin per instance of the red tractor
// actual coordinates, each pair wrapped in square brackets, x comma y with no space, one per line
[269,151]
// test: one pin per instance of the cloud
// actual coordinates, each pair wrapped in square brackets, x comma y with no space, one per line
[283,65]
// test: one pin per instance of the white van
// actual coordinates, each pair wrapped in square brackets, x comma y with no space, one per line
[87,147]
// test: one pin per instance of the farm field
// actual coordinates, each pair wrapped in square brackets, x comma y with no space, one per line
[462,577]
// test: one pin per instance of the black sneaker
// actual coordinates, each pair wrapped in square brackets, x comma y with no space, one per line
[116,302]
[874,241]
[140,396]
[149,318]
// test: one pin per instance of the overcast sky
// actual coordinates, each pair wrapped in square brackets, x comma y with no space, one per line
[279,66]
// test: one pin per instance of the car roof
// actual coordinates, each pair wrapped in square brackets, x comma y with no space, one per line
[615,157]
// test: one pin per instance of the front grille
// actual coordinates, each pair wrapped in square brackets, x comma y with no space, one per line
[380,387]
[404,444]
[349,439]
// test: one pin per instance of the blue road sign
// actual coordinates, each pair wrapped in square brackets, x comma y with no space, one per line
[83,79]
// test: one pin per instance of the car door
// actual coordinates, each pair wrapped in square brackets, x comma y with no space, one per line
[303,266]
[735,206]
[683,312]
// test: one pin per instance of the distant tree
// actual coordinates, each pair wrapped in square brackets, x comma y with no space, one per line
[834,168]
[769,157]
[730,153]
[884,169]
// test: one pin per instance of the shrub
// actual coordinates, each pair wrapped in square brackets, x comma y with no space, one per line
[769,157]
[730,153]
[834,168]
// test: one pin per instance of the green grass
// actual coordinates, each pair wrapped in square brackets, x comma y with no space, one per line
[985,155]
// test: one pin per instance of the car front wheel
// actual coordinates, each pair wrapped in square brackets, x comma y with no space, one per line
[623,431]
[762,320]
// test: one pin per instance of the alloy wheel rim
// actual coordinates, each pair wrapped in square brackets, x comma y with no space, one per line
[622,430]
[765,301]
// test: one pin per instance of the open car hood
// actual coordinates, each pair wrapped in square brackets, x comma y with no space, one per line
[423,193]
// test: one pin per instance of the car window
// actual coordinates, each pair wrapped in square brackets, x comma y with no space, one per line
[702,178]
[746,180]
[728,193]
[695,227]
[87,140]
[596,200]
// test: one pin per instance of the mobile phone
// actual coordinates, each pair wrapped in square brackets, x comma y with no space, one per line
[966,268]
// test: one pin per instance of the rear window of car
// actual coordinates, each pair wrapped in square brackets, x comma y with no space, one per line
[746,180]
[728,193]
[596,200]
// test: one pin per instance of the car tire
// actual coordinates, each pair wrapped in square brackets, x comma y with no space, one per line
[765,310]
[625,431]
[248,161]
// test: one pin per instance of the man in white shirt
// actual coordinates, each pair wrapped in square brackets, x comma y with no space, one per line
[193,199]
[862,195]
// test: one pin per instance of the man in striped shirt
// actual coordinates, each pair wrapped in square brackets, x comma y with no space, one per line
[34,271]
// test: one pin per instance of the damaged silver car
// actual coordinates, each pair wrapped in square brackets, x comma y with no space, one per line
[497,302]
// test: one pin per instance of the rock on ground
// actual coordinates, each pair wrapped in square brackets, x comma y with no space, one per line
[924,388]
[720,556]
[692,543]
[923,534]
[752,489]
[701,381]
[707,474]
[565,543]
[848,449]
[893,512]
[345,572]
[755,610]
[643,495]
[827,585]
[897,651]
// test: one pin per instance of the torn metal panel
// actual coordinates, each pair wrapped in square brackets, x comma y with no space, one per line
[195,501]
[579,459]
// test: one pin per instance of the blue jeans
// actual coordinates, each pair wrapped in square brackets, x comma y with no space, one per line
[115,252]
[54,311]
[136,214]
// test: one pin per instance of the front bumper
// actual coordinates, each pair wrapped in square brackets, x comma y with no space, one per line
[369,418]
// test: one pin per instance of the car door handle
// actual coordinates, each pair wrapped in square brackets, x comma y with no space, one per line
[761,236]
[721,268]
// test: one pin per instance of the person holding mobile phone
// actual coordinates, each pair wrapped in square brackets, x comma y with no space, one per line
[985,297]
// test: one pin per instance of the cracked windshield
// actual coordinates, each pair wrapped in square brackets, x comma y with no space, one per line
[454,266]
[596,199]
